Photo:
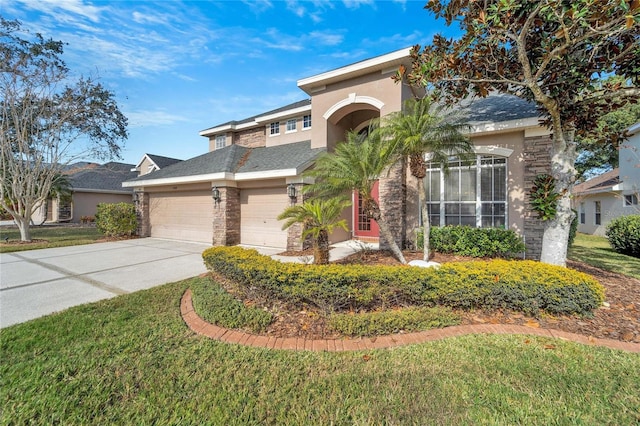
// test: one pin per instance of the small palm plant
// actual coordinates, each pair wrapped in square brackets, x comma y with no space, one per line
[319,217]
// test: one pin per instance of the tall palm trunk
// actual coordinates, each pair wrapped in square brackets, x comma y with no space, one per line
[373,211]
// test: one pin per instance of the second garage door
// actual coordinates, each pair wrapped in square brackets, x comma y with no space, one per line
[259,209]
[184,216]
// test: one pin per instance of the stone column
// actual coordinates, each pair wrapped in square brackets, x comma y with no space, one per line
[226,217]
[294,232]
[537,156]
[141,202]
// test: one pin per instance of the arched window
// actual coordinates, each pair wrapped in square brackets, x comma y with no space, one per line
[474,192]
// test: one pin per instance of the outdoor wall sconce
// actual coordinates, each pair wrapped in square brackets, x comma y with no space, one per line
[215,193]
[291,191]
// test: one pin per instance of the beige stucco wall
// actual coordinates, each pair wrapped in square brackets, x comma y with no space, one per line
[285,137]
[144,166]
[85,203]
[376,85]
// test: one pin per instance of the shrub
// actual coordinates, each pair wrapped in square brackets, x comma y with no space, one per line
[624,235]
[217,306]
[116,219]
[476,242]
[526,286]
[388,322]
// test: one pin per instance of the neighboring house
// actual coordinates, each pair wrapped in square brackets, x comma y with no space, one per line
[613,194]
[92,184]
[254,167]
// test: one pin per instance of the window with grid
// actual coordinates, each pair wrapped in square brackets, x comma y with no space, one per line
[306,122]
[630,200]
[473,192]
[291,125]
[274,128]
[221,141]
[598,217]
[583,214]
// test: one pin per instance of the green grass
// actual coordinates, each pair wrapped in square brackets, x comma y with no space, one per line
[55,236]
[132,360]
[597,252]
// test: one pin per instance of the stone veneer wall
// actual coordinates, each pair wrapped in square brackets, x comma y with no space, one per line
[392,200]
[537,156]
[142,214]
[251,138]
[294,232]
[226,218]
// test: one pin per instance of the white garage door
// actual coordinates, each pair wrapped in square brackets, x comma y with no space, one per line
[186,216]
[259,209]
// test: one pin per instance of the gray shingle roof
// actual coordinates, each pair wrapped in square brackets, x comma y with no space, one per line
[106,177]
[162,161]
[499,107]
[239,159]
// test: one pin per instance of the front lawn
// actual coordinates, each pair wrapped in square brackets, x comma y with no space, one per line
[597,252]
[132,360]
[48,236]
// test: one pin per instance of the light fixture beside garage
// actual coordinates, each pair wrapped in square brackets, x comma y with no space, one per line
[215,193]
[291,191]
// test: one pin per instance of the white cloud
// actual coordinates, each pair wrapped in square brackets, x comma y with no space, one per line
[258,6]
[143,118]
[326,38]
[60,8]
[354,4]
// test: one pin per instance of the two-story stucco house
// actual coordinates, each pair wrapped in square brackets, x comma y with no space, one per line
[612,194]
[254,167]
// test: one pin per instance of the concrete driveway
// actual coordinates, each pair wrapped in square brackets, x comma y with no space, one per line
[39,282]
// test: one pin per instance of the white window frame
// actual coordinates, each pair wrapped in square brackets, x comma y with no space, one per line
[220,141]
[582,213]
[306,121]
[597,214]
[291,126]
[478,202]
[274,128]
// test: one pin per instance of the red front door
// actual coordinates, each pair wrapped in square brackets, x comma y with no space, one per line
[362,225]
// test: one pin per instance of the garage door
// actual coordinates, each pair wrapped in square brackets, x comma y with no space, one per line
[186,216]
[258,211]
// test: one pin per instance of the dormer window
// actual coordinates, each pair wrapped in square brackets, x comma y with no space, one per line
[291,125]
[306,122]
[274,128]
[221,141]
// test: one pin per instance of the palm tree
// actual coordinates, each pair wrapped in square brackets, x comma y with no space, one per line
[356,165]
[424,127]
[319,218]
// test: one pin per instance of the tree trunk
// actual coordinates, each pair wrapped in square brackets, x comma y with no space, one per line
[321,249]
[555,238]
[386,233]
[23,226]
[426,225]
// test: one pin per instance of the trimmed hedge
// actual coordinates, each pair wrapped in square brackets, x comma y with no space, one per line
[474,242]
[388,322]
[525,286]
[623,234]
[116,219]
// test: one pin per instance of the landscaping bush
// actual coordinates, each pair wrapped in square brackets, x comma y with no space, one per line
[526,286]
[624,235]
[475,242]
[116,219]
[217,306]
[388,322]
[573,230]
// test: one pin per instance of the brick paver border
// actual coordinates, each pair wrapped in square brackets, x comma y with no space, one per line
[200,326]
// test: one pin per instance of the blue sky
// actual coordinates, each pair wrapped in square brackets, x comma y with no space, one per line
[178,67]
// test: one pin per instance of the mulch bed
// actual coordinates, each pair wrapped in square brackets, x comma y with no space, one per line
[619,319]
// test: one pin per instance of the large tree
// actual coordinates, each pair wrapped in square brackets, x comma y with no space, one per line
[424,127]
[48,119]
[555,53]
[356,165]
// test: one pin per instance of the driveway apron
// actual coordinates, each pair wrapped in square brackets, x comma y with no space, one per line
[39,282]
